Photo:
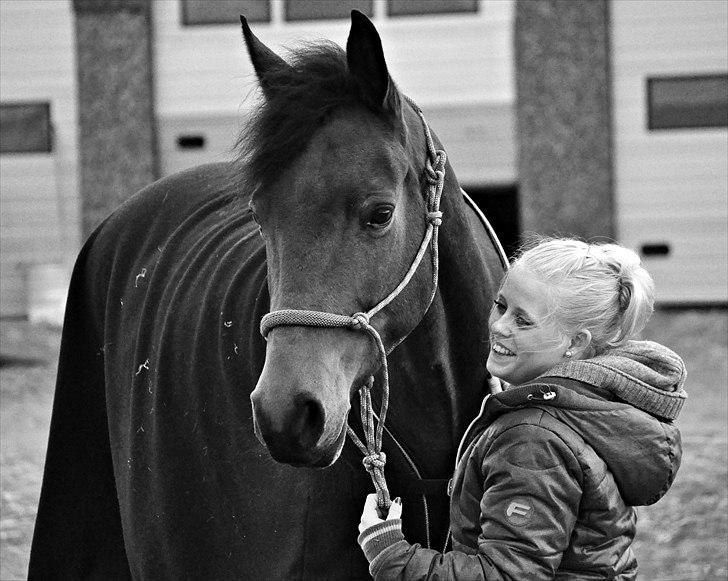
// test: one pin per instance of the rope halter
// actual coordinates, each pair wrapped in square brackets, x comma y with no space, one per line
[374,458]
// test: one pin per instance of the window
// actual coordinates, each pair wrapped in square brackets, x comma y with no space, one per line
[224,11]
[413,7]
[25,128]
[108,6]
[326,9]
[197,12]
[680,102]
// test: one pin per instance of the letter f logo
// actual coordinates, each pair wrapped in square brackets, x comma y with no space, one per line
[519,511]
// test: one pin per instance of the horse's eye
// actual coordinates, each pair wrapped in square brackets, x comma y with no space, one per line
[381,216]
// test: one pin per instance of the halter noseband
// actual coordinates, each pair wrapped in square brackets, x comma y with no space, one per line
[374,458]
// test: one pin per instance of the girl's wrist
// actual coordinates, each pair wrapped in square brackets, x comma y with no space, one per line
[380,536]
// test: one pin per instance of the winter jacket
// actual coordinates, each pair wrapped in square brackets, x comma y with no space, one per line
[548,474]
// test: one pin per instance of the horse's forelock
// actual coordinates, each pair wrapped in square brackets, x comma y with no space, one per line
[299,100]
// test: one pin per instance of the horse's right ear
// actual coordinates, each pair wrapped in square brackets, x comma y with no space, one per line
[264,60]
[365,58]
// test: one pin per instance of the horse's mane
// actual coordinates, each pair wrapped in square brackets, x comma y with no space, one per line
[298,100]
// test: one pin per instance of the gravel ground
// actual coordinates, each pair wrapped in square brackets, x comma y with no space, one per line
[683,537]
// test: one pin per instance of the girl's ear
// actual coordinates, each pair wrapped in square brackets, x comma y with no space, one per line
[580,343]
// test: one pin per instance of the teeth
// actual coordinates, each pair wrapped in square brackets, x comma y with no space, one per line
[501,350]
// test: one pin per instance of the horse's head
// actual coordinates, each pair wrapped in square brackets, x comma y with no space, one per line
[336,159]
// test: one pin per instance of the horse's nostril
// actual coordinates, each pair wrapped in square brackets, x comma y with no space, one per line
[309,420]
[290,429]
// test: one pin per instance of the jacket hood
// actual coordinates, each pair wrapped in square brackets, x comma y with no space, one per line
[644,373]
[612,402]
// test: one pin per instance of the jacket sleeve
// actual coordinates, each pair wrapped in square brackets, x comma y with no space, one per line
[530,502]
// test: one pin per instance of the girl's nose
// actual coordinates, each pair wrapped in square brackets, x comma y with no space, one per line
[499,327]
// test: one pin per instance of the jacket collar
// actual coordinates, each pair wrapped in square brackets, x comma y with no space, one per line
[643,373]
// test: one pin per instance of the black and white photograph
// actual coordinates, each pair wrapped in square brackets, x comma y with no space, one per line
[337,290]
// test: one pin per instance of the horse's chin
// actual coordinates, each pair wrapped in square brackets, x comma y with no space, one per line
[322,456]
[326,456]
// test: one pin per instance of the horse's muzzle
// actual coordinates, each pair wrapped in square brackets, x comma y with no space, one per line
[298,446]
[295,431]
[302,400]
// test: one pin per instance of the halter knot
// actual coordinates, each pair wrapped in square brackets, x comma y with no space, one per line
[359,321]
[374,460]
[434,218]
[432,174]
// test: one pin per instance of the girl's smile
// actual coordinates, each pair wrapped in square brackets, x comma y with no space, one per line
[502,349]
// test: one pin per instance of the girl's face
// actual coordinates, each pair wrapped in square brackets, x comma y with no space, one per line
[524,341]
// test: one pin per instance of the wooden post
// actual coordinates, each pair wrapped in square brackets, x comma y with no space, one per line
[563,116]
[117,141]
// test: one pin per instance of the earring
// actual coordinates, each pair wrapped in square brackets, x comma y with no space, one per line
[568,353]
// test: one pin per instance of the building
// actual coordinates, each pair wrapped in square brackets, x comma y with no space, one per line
[668,72]
[39,193]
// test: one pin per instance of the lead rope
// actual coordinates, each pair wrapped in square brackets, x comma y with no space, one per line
[374,459]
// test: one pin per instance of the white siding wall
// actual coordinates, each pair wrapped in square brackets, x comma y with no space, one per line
[38,192]
[457,67]
[671,185]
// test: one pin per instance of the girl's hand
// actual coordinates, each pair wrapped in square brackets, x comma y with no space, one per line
[371,515]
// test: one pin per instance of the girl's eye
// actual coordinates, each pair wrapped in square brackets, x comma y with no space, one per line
[381,216]
[522,322]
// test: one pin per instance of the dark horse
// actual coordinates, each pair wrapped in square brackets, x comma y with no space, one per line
[153,468]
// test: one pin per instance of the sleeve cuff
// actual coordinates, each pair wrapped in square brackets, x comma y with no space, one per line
[380,536]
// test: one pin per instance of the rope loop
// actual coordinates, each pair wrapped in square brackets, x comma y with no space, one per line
[434,218]
[359,321]
[432,177]
[374,461]
[435,168]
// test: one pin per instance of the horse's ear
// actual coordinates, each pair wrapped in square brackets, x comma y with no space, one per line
[365,57]
[264,60]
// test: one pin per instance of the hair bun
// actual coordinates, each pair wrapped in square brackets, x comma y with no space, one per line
[636,288]
[626,265]
[625,292]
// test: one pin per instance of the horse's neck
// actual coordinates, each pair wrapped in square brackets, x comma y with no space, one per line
[470,272]
[439,372]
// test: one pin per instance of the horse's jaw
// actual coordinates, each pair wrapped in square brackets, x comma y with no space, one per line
[301,402]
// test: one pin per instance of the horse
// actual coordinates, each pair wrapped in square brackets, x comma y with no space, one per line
[184,444]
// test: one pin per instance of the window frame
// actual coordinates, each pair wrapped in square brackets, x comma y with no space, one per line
[47,147]
[347,10]
[650,110]
[186,22]
[474,10]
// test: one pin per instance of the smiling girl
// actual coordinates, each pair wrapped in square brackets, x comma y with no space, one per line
[549,471]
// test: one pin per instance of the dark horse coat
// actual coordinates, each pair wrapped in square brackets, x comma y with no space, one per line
[153,470]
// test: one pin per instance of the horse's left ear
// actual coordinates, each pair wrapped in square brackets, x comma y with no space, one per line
[365,57]
[264,60]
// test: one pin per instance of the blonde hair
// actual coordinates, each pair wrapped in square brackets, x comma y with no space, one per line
[599,287]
